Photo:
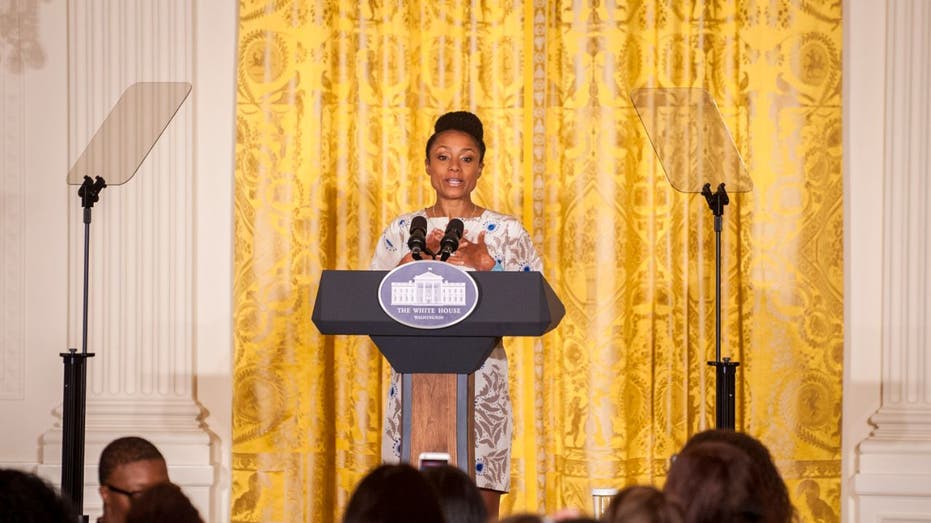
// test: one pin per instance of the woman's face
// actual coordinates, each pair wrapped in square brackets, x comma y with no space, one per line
[453,165]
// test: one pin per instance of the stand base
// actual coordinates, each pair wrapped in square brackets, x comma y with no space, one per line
[73,418]
[725,386]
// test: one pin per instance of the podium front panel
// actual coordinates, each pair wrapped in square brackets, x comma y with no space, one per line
[435,355]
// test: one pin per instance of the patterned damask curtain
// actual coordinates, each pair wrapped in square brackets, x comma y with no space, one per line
[335,103]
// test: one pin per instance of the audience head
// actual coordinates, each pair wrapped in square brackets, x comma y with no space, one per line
[569,515]
[522,518]
[778,506]
[393,494]
[162,502]
[26,498]
[459,498]
[642,504]
[715,482]
[128,466]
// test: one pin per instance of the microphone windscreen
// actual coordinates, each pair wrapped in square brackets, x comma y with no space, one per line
[419,223]
[455,228]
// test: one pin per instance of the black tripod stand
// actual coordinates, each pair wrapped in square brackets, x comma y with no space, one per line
[75,375]
[725,369]
[118,148]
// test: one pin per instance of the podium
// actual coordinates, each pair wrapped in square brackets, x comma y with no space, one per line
[436,412]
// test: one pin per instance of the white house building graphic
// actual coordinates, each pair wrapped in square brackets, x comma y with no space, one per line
[428,288]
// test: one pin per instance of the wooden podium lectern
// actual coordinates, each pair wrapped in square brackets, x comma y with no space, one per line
[436,363]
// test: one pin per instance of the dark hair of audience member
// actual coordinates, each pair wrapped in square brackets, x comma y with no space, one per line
[162,502]
[778,507]
[522,518]
[459,498]
[121,451]
[642,504]
[393,494]
[716,482]
[27,498]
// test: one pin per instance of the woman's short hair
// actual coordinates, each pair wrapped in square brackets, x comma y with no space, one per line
[642,504]
[459,498]
[716,482]
[462,121]
[27,497]
[522,518]
[393,494]
[778,507]
[163,502]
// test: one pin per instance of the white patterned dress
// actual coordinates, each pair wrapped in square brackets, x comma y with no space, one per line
[513,250]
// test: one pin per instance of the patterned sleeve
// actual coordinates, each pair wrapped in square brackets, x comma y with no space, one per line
[519,251]
[392,245]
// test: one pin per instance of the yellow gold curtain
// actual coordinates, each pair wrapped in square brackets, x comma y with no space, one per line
[335,103]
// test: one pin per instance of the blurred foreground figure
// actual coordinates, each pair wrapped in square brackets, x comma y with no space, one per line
[725,476]
[459,498]
[163,502]
[393,494]
[27,498]
[642,504]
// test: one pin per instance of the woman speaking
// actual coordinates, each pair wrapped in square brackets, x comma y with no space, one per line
[455,156]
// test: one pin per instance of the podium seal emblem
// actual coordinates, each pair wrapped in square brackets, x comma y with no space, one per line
[428,294]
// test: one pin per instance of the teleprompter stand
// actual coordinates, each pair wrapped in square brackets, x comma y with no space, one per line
[696,151]
[436,363]
[725,369]
[117,150]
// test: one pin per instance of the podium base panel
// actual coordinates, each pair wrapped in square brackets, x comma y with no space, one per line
[437,416]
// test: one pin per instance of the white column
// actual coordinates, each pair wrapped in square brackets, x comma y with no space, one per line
[141,319]
[13,182]
[893,478]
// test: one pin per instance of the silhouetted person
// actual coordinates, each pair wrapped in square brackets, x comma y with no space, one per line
[778,507]
[162,503]
[522,518]
[393,494]
[27,498]
[642,504]
[128,466]
[459,498]
[716,482]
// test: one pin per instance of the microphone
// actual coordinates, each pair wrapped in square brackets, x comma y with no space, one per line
[450,241]
[417,242]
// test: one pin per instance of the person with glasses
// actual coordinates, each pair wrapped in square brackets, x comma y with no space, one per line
[128,466]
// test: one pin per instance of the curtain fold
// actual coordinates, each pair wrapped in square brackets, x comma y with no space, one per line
[335,103]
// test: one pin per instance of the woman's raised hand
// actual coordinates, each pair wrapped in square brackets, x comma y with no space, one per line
[473,254]
[434,239]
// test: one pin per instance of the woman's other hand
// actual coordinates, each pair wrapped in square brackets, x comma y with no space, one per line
[473,254]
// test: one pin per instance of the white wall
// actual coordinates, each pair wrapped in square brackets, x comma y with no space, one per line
[887,273]
[161,249]
[214,132]
[33,235]
[864,55]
